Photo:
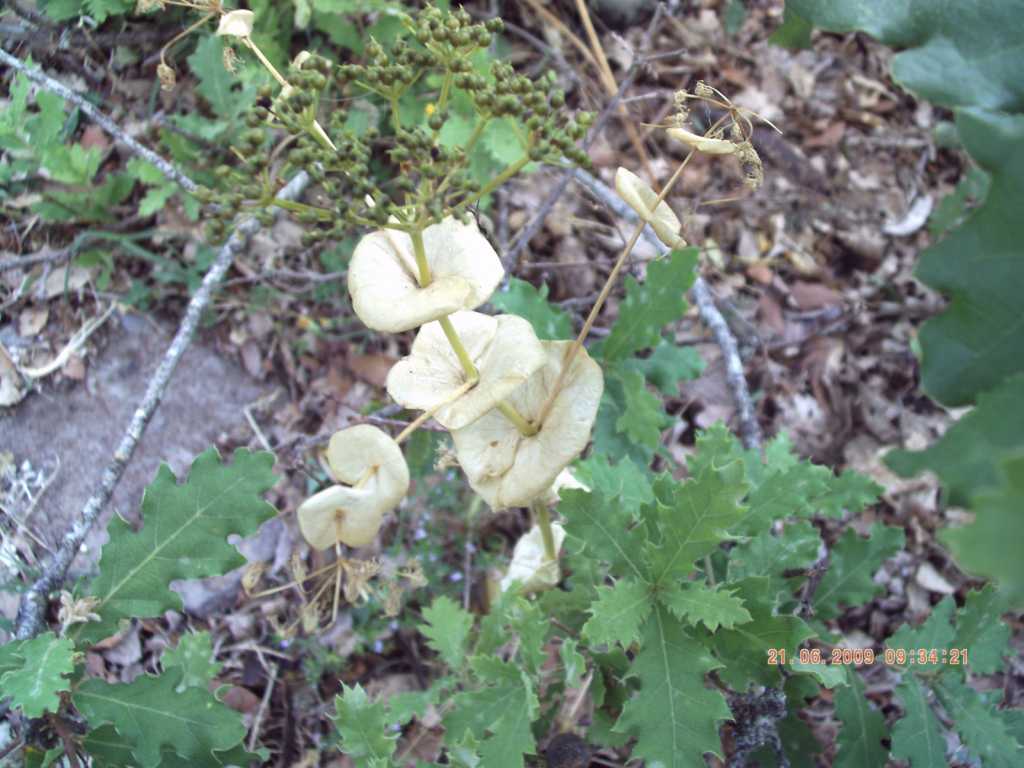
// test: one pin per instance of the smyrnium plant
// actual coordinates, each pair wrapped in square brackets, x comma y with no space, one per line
[519,410]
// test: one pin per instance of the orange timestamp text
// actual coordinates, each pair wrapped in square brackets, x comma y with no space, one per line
[897,657]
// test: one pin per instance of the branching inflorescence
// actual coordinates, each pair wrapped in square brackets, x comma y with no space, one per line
[519,409]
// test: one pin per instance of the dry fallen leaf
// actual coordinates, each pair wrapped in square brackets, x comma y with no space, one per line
[32,320]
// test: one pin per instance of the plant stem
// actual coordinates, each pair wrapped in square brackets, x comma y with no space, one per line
[526,429]
[421,257]
[543,520]
[570,355]
[709,571]
[472,374]
[502,177]
[442,100]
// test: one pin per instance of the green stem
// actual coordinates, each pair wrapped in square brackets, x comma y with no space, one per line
[421,257]
[543,519]
[526,429]
[709,571]
[396,120]
[472,374]
[502,177]
[297,207]
[442,100]
[467,148]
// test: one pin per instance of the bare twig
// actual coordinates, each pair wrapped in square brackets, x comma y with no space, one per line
[33,603]
[254,734]
[750,430]
[38,76]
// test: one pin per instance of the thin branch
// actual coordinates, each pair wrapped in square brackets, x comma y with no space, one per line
[36,75]
[750,430]
[32,609]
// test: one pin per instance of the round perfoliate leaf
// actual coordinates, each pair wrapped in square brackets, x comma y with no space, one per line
[644,200]
[504,350]
[236,24]
[384,278]
[376,478]
[509,469]
[530,566]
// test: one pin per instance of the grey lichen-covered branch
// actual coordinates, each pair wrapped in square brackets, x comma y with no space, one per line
[749,429]
[32,609]
[36,75]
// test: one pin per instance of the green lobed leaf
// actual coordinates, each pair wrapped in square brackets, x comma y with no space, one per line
[794,32]
[935,633]
[647,308]
[191,661]
[216,84]
[609,439]
[985,733]
[35,673]
[521,298]
[770,554]
[643,416]
[675,716]
[363,726]
[981,629]
[184,536]
[693,519]
[976,343]
[497,715]
[966,458]
[604,530]
[853,562]
[618,613]
[744,649]
[862,727]
[623,481]
[695,602]
[667,365]
[983,547]
[447,630]
[979,42]
[917,737]
[150,715]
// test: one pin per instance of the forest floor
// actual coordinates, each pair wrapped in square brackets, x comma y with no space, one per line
[814,272]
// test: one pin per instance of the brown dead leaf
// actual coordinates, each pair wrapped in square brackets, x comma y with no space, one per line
[373,369]
[252,359]
[32,320]
[94,136]
[814,295]
[74,368]
[828,138]
[241,699]
[11,385]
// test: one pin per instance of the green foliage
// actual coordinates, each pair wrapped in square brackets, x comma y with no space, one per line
[184,536]
[522,299]
[34,672]
[863,727]
[191,661]
[98,10]
[853,563]
[362,725]
[150,715]
[447,630]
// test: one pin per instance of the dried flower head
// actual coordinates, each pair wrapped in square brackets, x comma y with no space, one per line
[376,478]
[509,469]
[644,200]
[383,276]
[504,349]
[530,566]
[146,6]
[358,575]
[166,77]
[78,611]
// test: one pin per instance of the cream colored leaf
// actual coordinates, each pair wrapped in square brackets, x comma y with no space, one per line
[504,349]
[638,195]
[377,478]
[530,566]
[702,143]
[236,24]
[383,278]
[509,469]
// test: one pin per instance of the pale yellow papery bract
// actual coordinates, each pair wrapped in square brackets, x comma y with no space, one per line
[530,566]
[504,349]
[702,143]
[236,24]
[383,278]
[509,469]
[639,196]
[376,479]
